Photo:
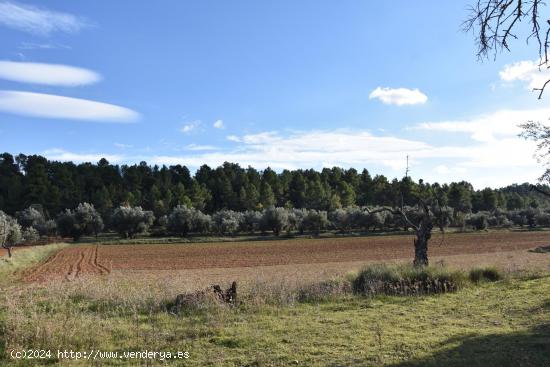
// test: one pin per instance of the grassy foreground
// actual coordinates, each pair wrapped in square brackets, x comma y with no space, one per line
[505,323]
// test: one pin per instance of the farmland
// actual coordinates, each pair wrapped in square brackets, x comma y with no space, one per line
[200,264]
[117,297]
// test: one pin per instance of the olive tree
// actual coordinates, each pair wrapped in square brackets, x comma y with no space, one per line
[227,221]
[84,220]
[10,232]
[30,217]
[34,218]
[130,221]
[183,220]
[425,219]
[316,220]
[275,219]
[251,221]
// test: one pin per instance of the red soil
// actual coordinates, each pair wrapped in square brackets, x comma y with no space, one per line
[74,261]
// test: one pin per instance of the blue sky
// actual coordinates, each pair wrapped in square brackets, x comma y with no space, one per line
[286,84]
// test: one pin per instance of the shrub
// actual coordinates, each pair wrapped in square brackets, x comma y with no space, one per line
[489,274]
[407,280]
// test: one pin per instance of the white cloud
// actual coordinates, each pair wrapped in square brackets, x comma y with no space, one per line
[57,154]
[190,126]
[123,146]
[48,74]
[399,96]
[495,162]
[234,138]
[60,107]
[502,123]
[196,147]
[495,157]
[218,124]
[38,21]
[307,149]
[526,71]
[42,46]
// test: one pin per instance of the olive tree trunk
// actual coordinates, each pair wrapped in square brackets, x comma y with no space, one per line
[423,235]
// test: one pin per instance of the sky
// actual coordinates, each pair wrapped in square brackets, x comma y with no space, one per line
[285,84]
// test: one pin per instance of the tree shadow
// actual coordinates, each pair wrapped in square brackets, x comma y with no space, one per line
[526,348]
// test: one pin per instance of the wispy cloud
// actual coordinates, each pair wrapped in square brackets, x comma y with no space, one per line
[234,138]
[60,107]
[188,127]
[490,162]
[42,46]
[218,124]
[399,96]
[57,154]
[198,147]
[488,127]
[47,74]
[123,146]
[38,21]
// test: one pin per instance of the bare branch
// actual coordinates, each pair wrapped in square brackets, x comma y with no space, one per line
[393,211]
[496,22]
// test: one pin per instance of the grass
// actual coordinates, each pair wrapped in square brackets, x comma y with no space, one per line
[23,258]
[503,323]
[405,279]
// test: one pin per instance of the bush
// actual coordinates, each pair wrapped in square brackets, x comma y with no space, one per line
[407,280]
[489,274]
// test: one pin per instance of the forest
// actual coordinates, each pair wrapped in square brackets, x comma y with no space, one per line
[55,186]
[41,198]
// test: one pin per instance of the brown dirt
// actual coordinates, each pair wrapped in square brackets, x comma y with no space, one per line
[337,255]
[70,263]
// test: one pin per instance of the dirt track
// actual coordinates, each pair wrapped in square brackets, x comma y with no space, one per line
[79,260]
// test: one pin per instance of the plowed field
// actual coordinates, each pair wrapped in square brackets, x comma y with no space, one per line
[78,260]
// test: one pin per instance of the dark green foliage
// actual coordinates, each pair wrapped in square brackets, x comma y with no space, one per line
[489,274]
[82,221]
[478,221]
[55,186]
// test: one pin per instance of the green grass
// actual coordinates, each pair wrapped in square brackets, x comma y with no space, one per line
[504,323]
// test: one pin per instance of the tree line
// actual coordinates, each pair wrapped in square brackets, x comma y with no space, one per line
[56,186]
[30,224]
